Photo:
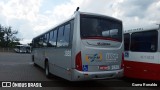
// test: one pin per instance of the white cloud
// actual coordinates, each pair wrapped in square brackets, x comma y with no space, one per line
[21,9]
[153,12]
[26,16]
[101,6]
[55,16]
[26,41]
[133,13]
[50,18]
[20,14]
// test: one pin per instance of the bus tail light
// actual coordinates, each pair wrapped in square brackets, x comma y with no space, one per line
[122,62]
[78,62]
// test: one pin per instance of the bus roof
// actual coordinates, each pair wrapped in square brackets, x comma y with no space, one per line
[24,45]
[77,12]
[101,15]
[142,29]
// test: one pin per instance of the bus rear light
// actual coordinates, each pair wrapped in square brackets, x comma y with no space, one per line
[122,62]
[78,62]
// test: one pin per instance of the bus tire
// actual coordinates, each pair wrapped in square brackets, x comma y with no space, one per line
[32,58]
[47,73]
[35,64]
[33,61]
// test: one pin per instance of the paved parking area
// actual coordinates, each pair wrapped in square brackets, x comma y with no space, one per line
[18,67]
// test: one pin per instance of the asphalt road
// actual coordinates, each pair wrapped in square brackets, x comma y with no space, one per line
[19,67]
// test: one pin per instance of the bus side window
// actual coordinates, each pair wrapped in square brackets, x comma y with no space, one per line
[46,39]
[66,35]
[40,41]
[52,38]
[60,39]
[144,41]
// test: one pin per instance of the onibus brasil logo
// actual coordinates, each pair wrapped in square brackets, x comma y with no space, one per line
[94,57]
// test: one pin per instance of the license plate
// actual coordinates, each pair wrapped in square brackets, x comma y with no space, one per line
[113,67]
[111,56]
[103,67]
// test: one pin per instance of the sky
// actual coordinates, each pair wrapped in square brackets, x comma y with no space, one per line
[33,17]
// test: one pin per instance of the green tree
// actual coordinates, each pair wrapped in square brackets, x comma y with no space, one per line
[8,37]
[1,36]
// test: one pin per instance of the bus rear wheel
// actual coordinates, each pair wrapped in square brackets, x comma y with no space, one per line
[47,73]
[33,61]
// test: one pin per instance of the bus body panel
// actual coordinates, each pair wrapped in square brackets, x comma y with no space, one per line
[143,65]
[50,53]
[39,56]
[149,57]
[142,70]
[91,69]
[81,76]
[75,44]
[60,65]
[94,57]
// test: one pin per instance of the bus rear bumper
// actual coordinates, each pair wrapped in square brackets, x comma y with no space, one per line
[81,75]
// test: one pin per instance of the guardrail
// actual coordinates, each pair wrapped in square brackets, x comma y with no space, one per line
[6,50]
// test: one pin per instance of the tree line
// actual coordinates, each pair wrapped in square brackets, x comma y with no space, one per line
[8,37]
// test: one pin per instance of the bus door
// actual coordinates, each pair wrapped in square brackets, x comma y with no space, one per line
[41,52]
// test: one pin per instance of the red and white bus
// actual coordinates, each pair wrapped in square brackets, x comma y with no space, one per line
[142,53]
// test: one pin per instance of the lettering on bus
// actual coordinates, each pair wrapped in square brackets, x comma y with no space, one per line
[67,53]
[111,56]
[147,57]
[137,29]
[93,57]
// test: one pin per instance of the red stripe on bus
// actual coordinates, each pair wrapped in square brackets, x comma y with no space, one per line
[142,70]
[102,38]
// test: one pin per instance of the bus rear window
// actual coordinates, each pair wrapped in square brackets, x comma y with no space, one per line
[100,27]
[144,41]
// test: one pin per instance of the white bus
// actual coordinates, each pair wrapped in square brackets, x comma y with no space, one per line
[85,47]
[142,53]
[22,49]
